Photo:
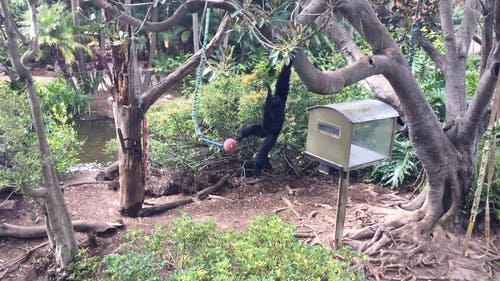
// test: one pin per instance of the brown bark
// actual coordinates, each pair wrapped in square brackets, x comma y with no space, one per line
[145,212]
[109,173]
[59,230]
[448,156]
[36,231]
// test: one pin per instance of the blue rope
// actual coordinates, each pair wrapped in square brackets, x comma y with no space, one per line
[199,74]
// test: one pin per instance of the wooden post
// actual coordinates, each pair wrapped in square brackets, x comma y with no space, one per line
[341,206]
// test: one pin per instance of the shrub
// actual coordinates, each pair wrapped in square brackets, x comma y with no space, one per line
[20,163]
[58,95]
[225,105]
[403,165]
[267,250]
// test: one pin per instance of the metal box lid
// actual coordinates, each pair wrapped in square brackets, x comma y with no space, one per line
[362,110]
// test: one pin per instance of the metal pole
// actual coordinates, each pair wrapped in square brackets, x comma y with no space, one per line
[341,206]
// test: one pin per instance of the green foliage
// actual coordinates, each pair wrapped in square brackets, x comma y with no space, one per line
[58,95]
[56,29]
[226,104]
[404,164]
[267,250]
[166,63]
[20,163]
[84,266]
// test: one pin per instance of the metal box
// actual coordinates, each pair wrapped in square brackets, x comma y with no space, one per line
[350,135]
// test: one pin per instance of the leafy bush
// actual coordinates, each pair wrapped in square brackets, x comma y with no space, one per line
[267,250]
[20,163]
[226,104]
[58,95]
[404,164]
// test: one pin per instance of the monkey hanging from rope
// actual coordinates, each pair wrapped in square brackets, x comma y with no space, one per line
[272,121]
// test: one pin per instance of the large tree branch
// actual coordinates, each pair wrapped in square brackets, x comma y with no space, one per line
[330,82]
[33,45]
[156,91]
[454,73]
[480,103]
[448,30]
[362,17]
[11,33]
[311,11]
[467,26]
[487,34]
[377,84]
[436,56]
[177,16]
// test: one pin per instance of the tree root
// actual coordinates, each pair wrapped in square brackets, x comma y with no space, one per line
[408,245]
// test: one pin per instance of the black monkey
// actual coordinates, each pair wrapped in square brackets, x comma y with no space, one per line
[272,119]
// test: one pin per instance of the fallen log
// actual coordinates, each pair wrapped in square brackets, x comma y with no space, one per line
[38,231]
[109,173]
[204,192]
[145,212]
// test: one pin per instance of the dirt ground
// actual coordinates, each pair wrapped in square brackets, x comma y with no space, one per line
[308,202]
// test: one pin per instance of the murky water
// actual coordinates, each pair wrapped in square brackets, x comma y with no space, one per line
[95,133]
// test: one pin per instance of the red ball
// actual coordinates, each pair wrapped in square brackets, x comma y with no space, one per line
[230,145]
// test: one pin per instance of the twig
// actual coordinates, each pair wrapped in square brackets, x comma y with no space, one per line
[211,196]
[290,206]
[85,182]
[10,266]
[203,193]
[145,212]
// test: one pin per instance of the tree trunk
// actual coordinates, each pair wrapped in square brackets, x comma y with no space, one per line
[59,228]
[129,120]
[81,66]
[128,115]
[152,51]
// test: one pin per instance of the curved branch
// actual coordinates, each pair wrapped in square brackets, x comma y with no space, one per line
[311,11]
[377,84]
[156,91]
[329,82]
[180,12]
[467,26]
[480,102]
[447,30]
[454,73]
[33,46]
[362,17]
[487,34]
[436,56]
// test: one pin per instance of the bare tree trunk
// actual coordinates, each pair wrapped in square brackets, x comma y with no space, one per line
[81,66]
[152,51]
[59,227]
[196,37]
